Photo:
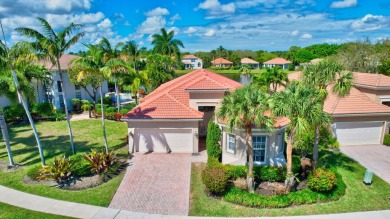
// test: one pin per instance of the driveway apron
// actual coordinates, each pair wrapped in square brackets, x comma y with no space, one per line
[374,157]
[156,183]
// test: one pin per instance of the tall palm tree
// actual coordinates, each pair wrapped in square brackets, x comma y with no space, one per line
[301,105]
[321,76]
[95,64]
[165,44]
[131,49]
[271,79]
[52,46]
[4,132]
[246,108]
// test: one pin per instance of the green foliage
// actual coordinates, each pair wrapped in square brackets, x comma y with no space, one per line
[303,55]
[386,140]
[322,180]
[42,109]
[159,69]
[110,110]
[123,111]
[268,173]
[215,179]
[129,106]
[323,50]
[60,170]
[100,161]
[86,105]
[81,166]
[212,140]
[33,171]
[233,172]
[75,101]
[213,161]
[296,164]
[59,116]
[291,67]
[384,67]
[14,112]
[106,101]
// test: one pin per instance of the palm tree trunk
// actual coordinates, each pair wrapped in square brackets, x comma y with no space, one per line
[103,122]
[118,104]
[4,132]
[250,179]
[66,107]
[290,174]
[25,106]
[315,148]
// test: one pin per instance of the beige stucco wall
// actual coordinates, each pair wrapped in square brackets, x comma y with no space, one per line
[142,124]
[240,155]
[206,99]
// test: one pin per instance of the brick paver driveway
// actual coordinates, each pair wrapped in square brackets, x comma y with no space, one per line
[374,157]
[156,183]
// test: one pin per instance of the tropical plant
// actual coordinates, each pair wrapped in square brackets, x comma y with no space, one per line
[246,108]
[322,180]
[212,140]
[101,161]
[300,104]
[271,79]
[164,43]
[215,179]
[321,76]
[159,69]
[60,170]
[4,132]
[52,45]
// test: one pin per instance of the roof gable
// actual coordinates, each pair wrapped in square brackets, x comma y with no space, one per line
[221,61]
[248,61]
[64,62]
[278,61]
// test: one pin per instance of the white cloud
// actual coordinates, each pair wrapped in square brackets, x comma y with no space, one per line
[210,33]
[106,23]
[306,36]
[295,33]
[118,16]
[190,30]
[369,23]
[174,18]
[152,25]
[157,12]
[214,7]
[344,4]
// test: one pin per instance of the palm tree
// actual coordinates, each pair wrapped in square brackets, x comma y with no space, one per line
[101,68]
[246,108]
[301,105]
[131,49]
[52,46]
[17,60]
[4,132]
[271,79]
[321,76]
[165,44]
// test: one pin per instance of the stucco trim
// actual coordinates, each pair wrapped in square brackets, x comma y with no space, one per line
[257,130]
[360,114]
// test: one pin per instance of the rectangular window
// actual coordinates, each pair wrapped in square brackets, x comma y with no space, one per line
[61,99]
[231,143]
[281,142]
[259,147]
[193,60]
[77,87]
[78,95]
[59,87]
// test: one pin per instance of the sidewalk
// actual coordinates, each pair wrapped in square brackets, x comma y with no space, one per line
[71,209]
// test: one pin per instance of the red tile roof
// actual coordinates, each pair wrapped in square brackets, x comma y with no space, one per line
[171,100]
[64,62]
[221,61]
[248,61]
[190,57]
[369,79]
[277,61]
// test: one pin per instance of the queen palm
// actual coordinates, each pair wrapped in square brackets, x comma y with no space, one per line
[131,49]
[52,45]
[246,108]
[165,44]
[321,76]
[271,79]
[301,105]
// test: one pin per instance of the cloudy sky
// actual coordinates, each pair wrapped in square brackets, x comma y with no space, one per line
[205,24]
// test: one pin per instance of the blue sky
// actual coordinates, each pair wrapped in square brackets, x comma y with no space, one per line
[205,24]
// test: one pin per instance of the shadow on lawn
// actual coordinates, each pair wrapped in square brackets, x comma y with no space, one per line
[336,159]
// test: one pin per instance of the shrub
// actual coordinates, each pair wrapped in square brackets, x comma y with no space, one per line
[59,116]
[111,110]
[117,116]
[42,109]
[129,106]
[234,172]
[86,105]
[213,161]
[215,179]
[14,112]
[106,101]
[81,166]
[123,111]
[268,173]
[291,67]
[101,161]
[296,164]
[76,103]
[33,171]
[322,180]
[386,140]
[212,140]
[60,170]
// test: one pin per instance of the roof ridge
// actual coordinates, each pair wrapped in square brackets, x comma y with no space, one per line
[335,104]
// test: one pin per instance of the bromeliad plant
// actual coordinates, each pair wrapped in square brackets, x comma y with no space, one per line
[60,170]
[101,161]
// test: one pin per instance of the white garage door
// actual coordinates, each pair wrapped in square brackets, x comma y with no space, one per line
[164,140]
[359,133]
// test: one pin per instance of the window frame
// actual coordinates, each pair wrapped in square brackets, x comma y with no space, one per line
[265,149]
[228,149]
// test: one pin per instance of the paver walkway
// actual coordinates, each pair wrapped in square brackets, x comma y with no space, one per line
[156,183]
[374,157]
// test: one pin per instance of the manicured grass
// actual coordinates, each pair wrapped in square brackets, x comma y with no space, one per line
[10,212]
[358,197]
[55,140]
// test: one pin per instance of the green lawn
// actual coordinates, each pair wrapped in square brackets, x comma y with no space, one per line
[10,212]
[358,197]
[55,140]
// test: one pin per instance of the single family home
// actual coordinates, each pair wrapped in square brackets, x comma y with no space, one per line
[222,63]
[283,63]
[192,62]
[250,62]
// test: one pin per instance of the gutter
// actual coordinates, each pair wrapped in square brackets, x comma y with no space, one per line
[372,87]
[360,114]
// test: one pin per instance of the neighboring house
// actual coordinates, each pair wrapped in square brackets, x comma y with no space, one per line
[248,61]
[174,116]
[277,62]
[192,62]
[360,118]
[222,63]
[4,101]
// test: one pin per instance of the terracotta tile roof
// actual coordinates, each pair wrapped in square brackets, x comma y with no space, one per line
[171,100]
[277,61]
[376,80]
[190,57]
[64,62]
[355,103]
[248,61]
[221,61]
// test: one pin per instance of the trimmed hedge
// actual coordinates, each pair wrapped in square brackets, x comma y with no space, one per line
[215,179]
[386,140]
[322,180]
[212,140]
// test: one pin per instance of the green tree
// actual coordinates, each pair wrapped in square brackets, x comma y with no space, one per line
[212,140]
[384,67]
[52,45]
[246,108]
[303,55]
[165,44]
[271,79]
[301,105]
[159,69]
